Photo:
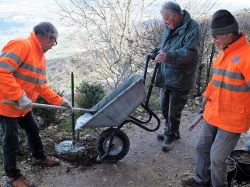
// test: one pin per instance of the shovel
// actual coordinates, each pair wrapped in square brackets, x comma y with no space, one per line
[196,121]
[46,106]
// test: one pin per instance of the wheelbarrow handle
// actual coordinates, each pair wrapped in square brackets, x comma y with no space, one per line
[46,106]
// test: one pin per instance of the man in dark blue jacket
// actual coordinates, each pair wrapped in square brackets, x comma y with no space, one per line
[178,59]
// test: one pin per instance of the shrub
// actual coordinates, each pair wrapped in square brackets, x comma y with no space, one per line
[46,116]
[154,102]
[88,94]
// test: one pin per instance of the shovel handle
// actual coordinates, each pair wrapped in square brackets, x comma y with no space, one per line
[195,122]
[46,106]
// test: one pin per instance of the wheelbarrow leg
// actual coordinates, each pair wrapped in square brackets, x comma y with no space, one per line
[101,158]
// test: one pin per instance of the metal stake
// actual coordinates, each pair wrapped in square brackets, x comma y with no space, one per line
[73,101]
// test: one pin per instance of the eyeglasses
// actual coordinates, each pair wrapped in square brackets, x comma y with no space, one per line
[53,40]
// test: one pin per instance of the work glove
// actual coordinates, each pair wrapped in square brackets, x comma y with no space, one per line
[67,104]
[24,102]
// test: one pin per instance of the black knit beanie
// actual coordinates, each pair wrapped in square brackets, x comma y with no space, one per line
[223,22]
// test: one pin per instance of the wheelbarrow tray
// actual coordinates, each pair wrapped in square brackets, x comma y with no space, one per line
[115,108]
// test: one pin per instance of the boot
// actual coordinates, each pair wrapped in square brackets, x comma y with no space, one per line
[190,182]
[167,143]
[48,161]
[19,181]
[176,135]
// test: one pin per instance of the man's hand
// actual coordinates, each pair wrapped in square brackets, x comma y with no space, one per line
[24,102]
[161,57]
[67,104]
[153,53]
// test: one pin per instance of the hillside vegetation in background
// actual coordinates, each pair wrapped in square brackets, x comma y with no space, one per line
[108,44]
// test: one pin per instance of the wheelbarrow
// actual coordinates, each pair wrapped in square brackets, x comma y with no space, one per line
[114,111]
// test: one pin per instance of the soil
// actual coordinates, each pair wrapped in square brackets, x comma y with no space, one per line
[243,157]
[144,165]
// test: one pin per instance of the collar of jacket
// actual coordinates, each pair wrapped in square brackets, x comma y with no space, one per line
[237,44]
[34,40]
[184,23]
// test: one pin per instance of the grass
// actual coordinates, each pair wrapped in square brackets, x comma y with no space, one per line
[154,102]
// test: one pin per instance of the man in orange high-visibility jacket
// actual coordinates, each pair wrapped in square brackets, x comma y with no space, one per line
[227,101]
[22,79]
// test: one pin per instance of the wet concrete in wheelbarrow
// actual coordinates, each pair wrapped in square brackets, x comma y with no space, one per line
[144,165]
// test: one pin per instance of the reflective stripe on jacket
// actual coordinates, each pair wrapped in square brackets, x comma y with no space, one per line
[228,92]
[23,68]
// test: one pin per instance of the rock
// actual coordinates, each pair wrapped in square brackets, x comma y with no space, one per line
[49,146]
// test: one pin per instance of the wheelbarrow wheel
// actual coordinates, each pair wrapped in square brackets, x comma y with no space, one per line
[119,148]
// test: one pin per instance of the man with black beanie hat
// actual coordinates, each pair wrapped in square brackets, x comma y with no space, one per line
[226,103]
[223,22]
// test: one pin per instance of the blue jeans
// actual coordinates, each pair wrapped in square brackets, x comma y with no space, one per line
[213,148]
[10,140]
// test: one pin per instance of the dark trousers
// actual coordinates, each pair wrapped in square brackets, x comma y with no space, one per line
[10,140]
[172,103]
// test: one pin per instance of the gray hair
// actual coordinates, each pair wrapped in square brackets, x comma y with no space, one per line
[172,7]
[46,29]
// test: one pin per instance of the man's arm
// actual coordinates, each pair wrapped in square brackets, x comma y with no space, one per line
[52,97]
[189,51]
[244,67]
[49,95]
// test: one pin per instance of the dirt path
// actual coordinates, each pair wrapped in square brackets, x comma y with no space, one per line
[145,164]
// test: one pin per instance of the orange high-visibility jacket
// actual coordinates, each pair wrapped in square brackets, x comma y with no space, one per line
[23,69]
[228,92]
